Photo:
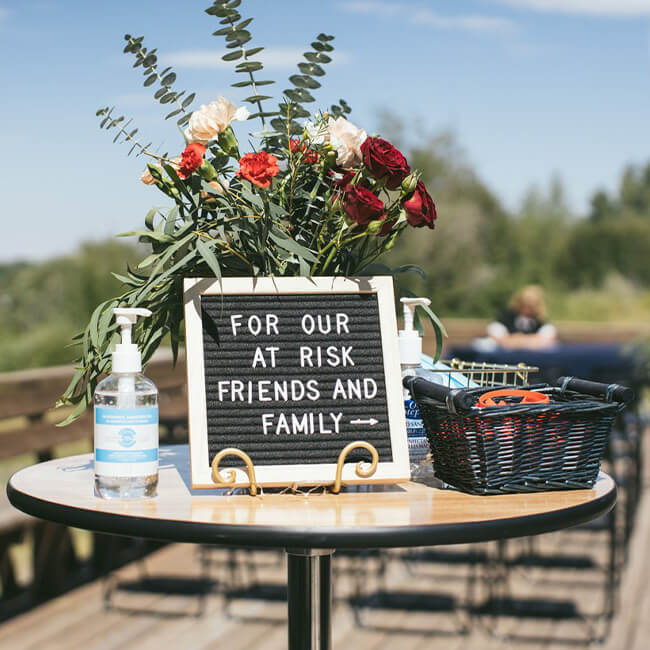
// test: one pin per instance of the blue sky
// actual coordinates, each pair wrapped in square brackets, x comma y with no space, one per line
[530,87]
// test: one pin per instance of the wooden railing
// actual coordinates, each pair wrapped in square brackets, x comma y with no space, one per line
[28,431]
[464,330]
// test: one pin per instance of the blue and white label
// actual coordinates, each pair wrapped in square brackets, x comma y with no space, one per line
[416,433]
[126,441]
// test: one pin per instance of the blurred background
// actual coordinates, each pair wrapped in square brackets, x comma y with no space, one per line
[529,122]
[528,119]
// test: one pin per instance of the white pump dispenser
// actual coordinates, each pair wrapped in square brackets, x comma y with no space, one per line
[410,341]
[127,357]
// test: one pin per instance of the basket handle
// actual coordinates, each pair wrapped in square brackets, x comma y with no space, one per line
[455,399]
[610,392]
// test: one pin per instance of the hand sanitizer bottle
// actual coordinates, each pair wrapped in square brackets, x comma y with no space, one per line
[126,422]
[410,347]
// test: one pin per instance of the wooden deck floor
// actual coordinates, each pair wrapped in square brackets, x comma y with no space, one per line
[240,602]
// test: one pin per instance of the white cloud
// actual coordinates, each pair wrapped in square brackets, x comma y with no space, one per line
[419,15]
[471,23]
[621,8]
[272,58]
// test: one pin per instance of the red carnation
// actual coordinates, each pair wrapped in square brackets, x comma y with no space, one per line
[310,157]
[191,159]
[420,209]
[258,168]
[384,161]
[362,206]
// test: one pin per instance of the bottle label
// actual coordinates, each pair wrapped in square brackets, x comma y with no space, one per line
[126,441]
[415,431]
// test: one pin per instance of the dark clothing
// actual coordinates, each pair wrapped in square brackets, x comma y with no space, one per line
[517,324]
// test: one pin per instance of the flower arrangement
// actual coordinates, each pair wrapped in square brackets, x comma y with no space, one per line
[316,196]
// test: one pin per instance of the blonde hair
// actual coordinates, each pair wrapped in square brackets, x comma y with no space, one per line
[532,296]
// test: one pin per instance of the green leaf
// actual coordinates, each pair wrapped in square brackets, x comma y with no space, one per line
[321,47]
[188,100]
[303,81]
[209,257]
[438,328]
[317,57]
[243,84]
[160,92]
[325,37]
[287,243]
[244,23]
[149,217]
[240,36]
[233,56]
[410,268]
[249,66]
[146,234]
[312,69]
[222,32]
[80,408]
[253,51]
[299,95]
[169,79]
[256,98]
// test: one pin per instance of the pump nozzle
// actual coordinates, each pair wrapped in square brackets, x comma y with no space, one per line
[126,357]
[410,305]
[410,341]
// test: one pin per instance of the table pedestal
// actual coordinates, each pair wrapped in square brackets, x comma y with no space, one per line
[310,598]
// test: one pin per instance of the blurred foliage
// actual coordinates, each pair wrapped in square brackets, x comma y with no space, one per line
[43,304]
[593,268]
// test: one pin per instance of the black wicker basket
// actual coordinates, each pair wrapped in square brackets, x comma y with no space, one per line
[522,447]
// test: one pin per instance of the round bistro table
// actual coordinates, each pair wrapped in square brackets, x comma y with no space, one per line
[309,527]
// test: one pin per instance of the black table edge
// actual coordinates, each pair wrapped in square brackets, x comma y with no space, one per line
[172,530]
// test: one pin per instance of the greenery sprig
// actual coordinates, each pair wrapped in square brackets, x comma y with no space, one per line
[308,202]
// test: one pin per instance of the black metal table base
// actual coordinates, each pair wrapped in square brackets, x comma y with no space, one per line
[310,598]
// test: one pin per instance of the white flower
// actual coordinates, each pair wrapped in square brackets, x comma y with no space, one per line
[346,138]
[317,134]
[211,119]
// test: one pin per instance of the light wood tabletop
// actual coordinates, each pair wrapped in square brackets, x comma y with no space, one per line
[408,514]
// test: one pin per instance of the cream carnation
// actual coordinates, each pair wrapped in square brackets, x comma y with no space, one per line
[211,119]
[147,178]
[346,138]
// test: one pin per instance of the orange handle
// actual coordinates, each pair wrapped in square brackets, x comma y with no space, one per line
[527,397]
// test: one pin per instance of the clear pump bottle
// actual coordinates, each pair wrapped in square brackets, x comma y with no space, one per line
[126,422]
[410,345]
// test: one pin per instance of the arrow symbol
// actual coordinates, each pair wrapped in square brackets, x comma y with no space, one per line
[371,421]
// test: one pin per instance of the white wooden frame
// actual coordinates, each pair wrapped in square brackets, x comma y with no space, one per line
[282,475]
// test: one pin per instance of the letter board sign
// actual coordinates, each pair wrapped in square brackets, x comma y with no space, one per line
[291,370]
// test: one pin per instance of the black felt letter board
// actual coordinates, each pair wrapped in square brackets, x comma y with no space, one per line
[291,379]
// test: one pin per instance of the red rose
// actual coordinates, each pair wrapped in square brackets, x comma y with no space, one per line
[384,161]
[420,209]
[345,179]
[362,206]
[191,159]
[259,168]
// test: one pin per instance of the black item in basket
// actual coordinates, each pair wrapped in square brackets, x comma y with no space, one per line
[519,447]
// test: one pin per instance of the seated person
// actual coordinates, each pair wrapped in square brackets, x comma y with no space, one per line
[522,325]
